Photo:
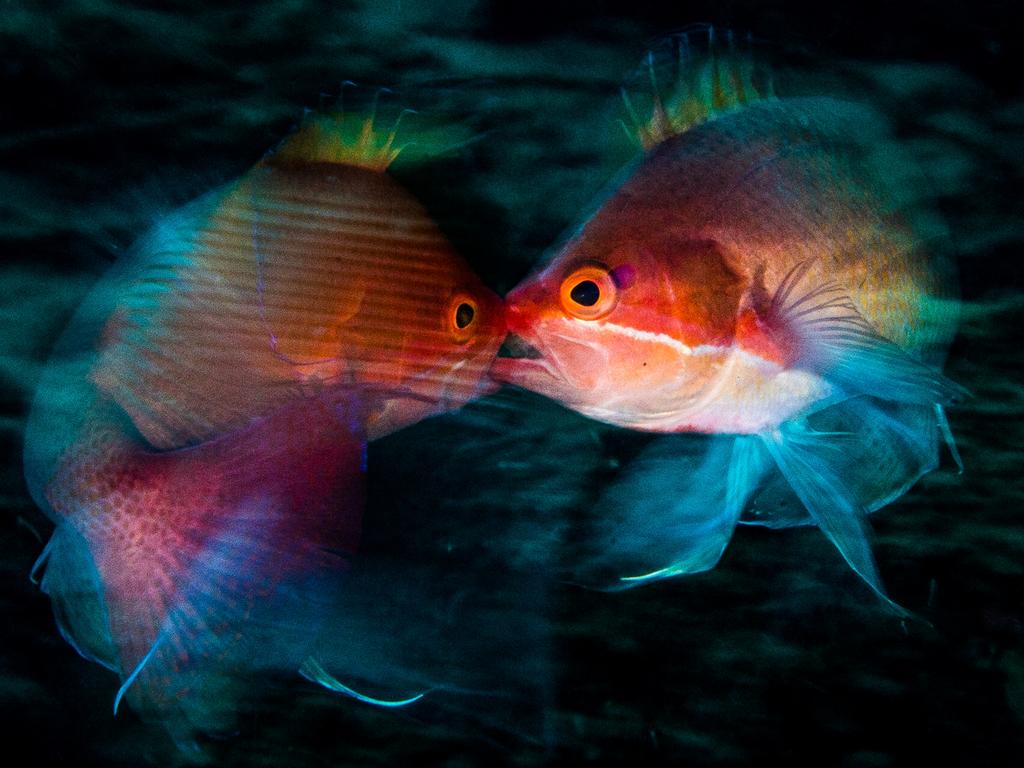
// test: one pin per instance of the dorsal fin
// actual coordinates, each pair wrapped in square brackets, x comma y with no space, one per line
[688,79]
[346,138]
[366,138]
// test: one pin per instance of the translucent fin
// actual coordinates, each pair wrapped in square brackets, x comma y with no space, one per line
[664,519]
[807,460]
[886,448]
[423,613]
[135,673]
[73,585]
[177,318]
[345,139]
[947,435]
[368,135]
[828,334]
[314,671]
[218,562]
[688,80]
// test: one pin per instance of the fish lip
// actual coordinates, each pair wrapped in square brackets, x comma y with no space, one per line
[515,356]
[509,370]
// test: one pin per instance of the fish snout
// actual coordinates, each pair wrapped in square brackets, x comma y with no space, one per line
[520,312]
[497,313]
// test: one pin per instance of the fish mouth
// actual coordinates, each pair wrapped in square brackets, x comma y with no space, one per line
[518,348]
[517,361]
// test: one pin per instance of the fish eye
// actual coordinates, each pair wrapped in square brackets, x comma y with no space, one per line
[462,317]
[589,292]
[464,314]
[586,293]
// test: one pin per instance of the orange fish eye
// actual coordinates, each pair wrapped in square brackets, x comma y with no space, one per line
[461,318]
[589,292]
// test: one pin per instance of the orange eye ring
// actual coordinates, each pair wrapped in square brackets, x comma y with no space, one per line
[462,317]
[589,292]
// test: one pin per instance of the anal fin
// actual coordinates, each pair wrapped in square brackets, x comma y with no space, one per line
[806,459]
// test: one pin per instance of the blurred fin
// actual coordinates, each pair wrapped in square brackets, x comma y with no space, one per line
[314,671]
[73,585]
[886,448]
[468,631]
[660,520]
[947,435]
[217,562]
[690,79]
[367,136]
[175,315]
[807,460]
[341,138]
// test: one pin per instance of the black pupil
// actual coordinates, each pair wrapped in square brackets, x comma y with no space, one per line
[464,314]
[585,293]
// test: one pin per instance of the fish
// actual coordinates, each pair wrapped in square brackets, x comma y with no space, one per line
[764,276]
[198,437]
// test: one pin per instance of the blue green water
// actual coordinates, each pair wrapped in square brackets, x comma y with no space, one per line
[114,113]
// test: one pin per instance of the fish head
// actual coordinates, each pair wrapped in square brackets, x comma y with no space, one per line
[628,324]
[455,328]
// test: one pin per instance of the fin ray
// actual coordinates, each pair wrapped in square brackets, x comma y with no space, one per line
[314,671]
[659,521]
[691,78]
[827,333]
[797,452]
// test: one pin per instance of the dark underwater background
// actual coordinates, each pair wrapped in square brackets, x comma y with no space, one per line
[114,113]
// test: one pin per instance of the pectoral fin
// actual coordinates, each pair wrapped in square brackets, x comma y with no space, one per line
[823,330]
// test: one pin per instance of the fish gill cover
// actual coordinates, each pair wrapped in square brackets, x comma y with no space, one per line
[122,113]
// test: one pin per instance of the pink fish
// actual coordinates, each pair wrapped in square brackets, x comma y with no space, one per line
[198,437]
[755,275]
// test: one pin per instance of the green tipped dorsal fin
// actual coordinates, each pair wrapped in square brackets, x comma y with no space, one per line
[364,139]
[344,138]
[690,79]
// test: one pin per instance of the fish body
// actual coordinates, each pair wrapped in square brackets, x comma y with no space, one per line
[756,275]
[695,246]
[301,276]
[199,434]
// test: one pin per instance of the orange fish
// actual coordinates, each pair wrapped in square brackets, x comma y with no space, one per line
[198,436]
[757,274]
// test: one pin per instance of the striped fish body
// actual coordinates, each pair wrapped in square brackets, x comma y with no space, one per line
[299,277]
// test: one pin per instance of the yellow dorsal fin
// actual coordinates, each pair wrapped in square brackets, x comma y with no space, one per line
[366,139]
[690,79]
[346,138]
